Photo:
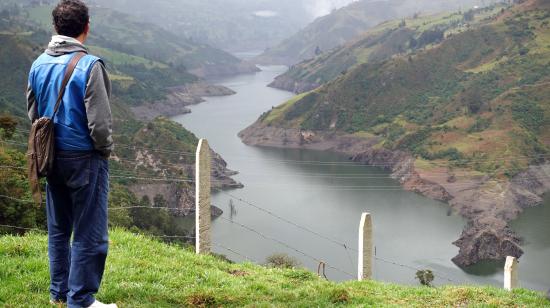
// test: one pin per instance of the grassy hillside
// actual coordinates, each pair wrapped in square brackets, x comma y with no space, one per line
[124,33]
[479,95]
[391,38]
[347,23]
[142,272]
[136,80]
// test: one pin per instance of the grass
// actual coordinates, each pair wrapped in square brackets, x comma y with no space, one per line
[142,272]
[119,58]
[279,111]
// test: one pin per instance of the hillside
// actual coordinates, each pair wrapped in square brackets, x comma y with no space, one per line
[234,25]
[466,122]
[124,33]
[143,172]
[142,272]
[391,38]
[345,24]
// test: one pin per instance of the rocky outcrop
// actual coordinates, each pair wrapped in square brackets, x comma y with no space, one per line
[488,204]
[181,195]
[284,82]
[178,99]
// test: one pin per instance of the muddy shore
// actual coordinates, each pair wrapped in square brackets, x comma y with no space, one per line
[488,204]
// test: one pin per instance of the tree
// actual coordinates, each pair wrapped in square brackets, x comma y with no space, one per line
[8,125]
[413,43]
[281,260]
[431,36]
[318,51]
[469,16]
[426,277]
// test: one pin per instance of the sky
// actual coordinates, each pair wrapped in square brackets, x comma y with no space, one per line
[318,8]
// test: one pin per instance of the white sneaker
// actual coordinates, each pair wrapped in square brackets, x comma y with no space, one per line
[98,304]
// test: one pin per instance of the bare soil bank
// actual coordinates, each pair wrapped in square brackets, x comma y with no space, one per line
[488,204]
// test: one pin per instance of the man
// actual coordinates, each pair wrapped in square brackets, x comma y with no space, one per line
[78,186]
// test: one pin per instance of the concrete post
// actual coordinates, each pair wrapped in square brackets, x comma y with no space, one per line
[511,273]
[202,199]
[365,258]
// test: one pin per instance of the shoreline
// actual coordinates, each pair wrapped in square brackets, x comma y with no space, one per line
[488,205]
[178,98]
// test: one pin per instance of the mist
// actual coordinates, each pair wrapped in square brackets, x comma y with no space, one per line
[318,8]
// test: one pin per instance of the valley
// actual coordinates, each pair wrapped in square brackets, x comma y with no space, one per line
[446,122]
[434,117]
[313,183]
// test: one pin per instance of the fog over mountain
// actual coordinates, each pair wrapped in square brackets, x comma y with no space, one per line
[245,25]
[318,8]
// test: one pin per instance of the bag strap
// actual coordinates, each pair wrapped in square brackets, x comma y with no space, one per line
[68,74]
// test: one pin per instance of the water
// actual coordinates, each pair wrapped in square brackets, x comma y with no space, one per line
[327,198]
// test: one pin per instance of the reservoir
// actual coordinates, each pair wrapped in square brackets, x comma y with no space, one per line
[325,193]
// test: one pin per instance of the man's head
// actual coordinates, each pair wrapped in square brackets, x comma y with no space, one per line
[71,18]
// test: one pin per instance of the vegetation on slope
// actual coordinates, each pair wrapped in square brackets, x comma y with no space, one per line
[136,80]
[345,24]
[234,25]
[122,32]
[479,95]
[142,272]
[391,38]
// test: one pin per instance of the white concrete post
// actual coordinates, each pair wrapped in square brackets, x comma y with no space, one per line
[511,273]
[365,258]
[202,199]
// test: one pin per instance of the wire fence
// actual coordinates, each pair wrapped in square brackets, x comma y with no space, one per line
[344,245]
[252,230]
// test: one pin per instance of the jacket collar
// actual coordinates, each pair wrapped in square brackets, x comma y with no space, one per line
[61,45]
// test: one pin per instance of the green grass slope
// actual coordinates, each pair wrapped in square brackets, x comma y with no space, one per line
[142,272]
[347,23]
[479,95]
[381,43]
[124,33]
[135,80]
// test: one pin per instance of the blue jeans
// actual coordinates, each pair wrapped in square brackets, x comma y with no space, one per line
[77,194]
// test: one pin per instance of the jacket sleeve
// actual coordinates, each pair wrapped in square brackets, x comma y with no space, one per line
[31,104]
[98,109]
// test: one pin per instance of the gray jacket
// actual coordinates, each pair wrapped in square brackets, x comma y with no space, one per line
[96,100]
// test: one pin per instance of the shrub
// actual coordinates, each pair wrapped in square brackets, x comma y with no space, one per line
[426,277]
[7,126]
[480,125]
[339,296]
[529,114]
[282,260]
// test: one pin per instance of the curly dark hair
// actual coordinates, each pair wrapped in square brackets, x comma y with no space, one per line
[70,17]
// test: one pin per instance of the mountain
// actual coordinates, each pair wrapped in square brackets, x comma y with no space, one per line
[380,43]
[343,25]
[466,121]
[124,33]
[235,25]
[143,170]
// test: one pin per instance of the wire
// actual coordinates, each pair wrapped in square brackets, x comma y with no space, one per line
[283,244]
[16,199]
[414,268]
[285,220]
[334,163]
[235,252]
[22,228]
